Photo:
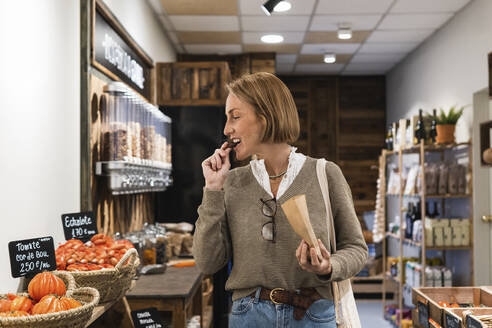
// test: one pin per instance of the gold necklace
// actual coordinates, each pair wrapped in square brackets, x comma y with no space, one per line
[277,176]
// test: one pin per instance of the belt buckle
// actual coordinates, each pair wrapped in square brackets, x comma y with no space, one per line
[271,295]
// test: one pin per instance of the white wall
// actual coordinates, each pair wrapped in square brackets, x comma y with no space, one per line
[141,22]
[446,69]
[39,121]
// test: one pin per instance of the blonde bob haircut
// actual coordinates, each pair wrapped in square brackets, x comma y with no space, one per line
[273,104]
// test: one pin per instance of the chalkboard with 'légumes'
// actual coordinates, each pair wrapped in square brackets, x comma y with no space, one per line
[31,256]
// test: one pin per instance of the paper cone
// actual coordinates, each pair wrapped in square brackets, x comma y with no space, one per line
[296,211]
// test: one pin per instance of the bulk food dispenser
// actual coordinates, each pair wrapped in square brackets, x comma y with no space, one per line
[136,143]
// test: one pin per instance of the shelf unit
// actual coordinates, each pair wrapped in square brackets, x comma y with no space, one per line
[421,150]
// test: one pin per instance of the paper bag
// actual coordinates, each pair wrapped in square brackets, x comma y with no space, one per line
[296,211]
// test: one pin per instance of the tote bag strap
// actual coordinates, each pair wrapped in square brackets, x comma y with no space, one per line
[323,183]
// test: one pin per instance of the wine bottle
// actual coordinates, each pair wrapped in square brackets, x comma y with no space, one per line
[433,130]
[420,128]
[427,210]
[389,138]
[435,213]
[409,221]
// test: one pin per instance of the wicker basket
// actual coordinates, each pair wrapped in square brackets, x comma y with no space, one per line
[111,283]
[74,318]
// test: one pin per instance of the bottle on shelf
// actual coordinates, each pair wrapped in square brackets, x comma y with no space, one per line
[433,129]
[409,217]
[435,212]
[420,128]
[427,210]
[389,138]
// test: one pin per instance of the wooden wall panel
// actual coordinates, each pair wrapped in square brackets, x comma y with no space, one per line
[343,120]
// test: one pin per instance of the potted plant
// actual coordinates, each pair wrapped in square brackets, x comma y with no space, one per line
[446,124]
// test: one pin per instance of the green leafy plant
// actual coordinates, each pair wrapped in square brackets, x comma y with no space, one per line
[451,117]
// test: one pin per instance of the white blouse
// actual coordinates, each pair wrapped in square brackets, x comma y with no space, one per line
[296,161]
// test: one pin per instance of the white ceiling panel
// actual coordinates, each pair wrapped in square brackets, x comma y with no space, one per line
[378,58]
[299,7]
[205,23]
[284,68]
[364,73]
[220,49]
[399,35]
[427,6]
[414,21]
[272,23]
[339,48]
[319,68]
[285,58]
[289,37]
[168,26]
[353,6]
[330,22]
[378,48]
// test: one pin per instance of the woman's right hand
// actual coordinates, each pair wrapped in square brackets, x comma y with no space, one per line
[216,167]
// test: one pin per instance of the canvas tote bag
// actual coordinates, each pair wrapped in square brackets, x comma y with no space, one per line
[343,296]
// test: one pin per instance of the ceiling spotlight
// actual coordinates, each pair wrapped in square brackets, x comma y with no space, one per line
[344,31]
[271,5]
[330,58]
[272,38]
[282,6]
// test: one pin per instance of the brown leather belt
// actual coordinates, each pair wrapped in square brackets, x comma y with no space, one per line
[300,301]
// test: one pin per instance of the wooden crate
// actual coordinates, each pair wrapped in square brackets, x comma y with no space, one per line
[431,296]
[192,83]
[453,318]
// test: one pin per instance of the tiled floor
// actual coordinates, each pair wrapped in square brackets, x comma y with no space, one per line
[371,314]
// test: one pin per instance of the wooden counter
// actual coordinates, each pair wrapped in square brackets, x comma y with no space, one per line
[178,290]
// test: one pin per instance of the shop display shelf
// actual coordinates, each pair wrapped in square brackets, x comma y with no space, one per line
[448,248]
[390,277]
[129,178]
[405,240]
[428,148]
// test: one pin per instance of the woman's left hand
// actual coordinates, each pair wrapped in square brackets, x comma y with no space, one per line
[315,265]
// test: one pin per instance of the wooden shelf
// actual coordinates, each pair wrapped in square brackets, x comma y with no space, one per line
[449,196]
[405,240]
[428,148]
[376,277]
[447,248]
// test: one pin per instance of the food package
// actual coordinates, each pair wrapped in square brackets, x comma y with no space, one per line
[443,179]
[296,211]
[431,178]
[453,178]
[462,184]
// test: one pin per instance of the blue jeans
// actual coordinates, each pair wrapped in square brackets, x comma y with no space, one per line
[256,313]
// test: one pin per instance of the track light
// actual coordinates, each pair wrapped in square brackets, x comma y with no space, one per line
[330,58]
[344,31]
[275,5]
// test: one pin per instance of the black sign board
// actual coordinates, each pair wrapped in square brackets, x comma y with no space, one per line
[117,52]
[31,256]
[423,314]
[79,225]
[452,321]
[147,318]
[473,323]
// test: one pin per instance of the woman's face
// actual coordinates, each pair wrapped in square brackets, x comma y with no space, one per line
[242,125]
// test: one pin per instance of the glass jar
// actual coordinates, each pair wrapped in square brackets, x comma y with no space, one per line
[149,249]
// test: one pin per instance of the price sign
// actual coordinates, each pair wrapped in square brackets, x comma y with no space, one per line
[452,321]
[423,314]
[31,256]
[147,318]
[80,226]
[472,322]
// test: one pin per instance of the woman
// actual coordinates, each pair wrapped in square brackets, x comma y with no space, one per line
[276,279]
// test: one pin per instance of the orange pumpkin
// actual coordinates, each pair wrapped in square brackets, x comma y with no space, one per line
[12,314]
[46,283]
[70,302]
[49,304]
[21,303]
[11,296]
[5,305]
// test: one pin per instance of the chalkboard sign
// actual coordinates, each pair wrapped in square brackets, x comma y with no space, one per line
[79,225]
[452,321]
[147,318]
[473,323]
[423,314]
[31,256]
